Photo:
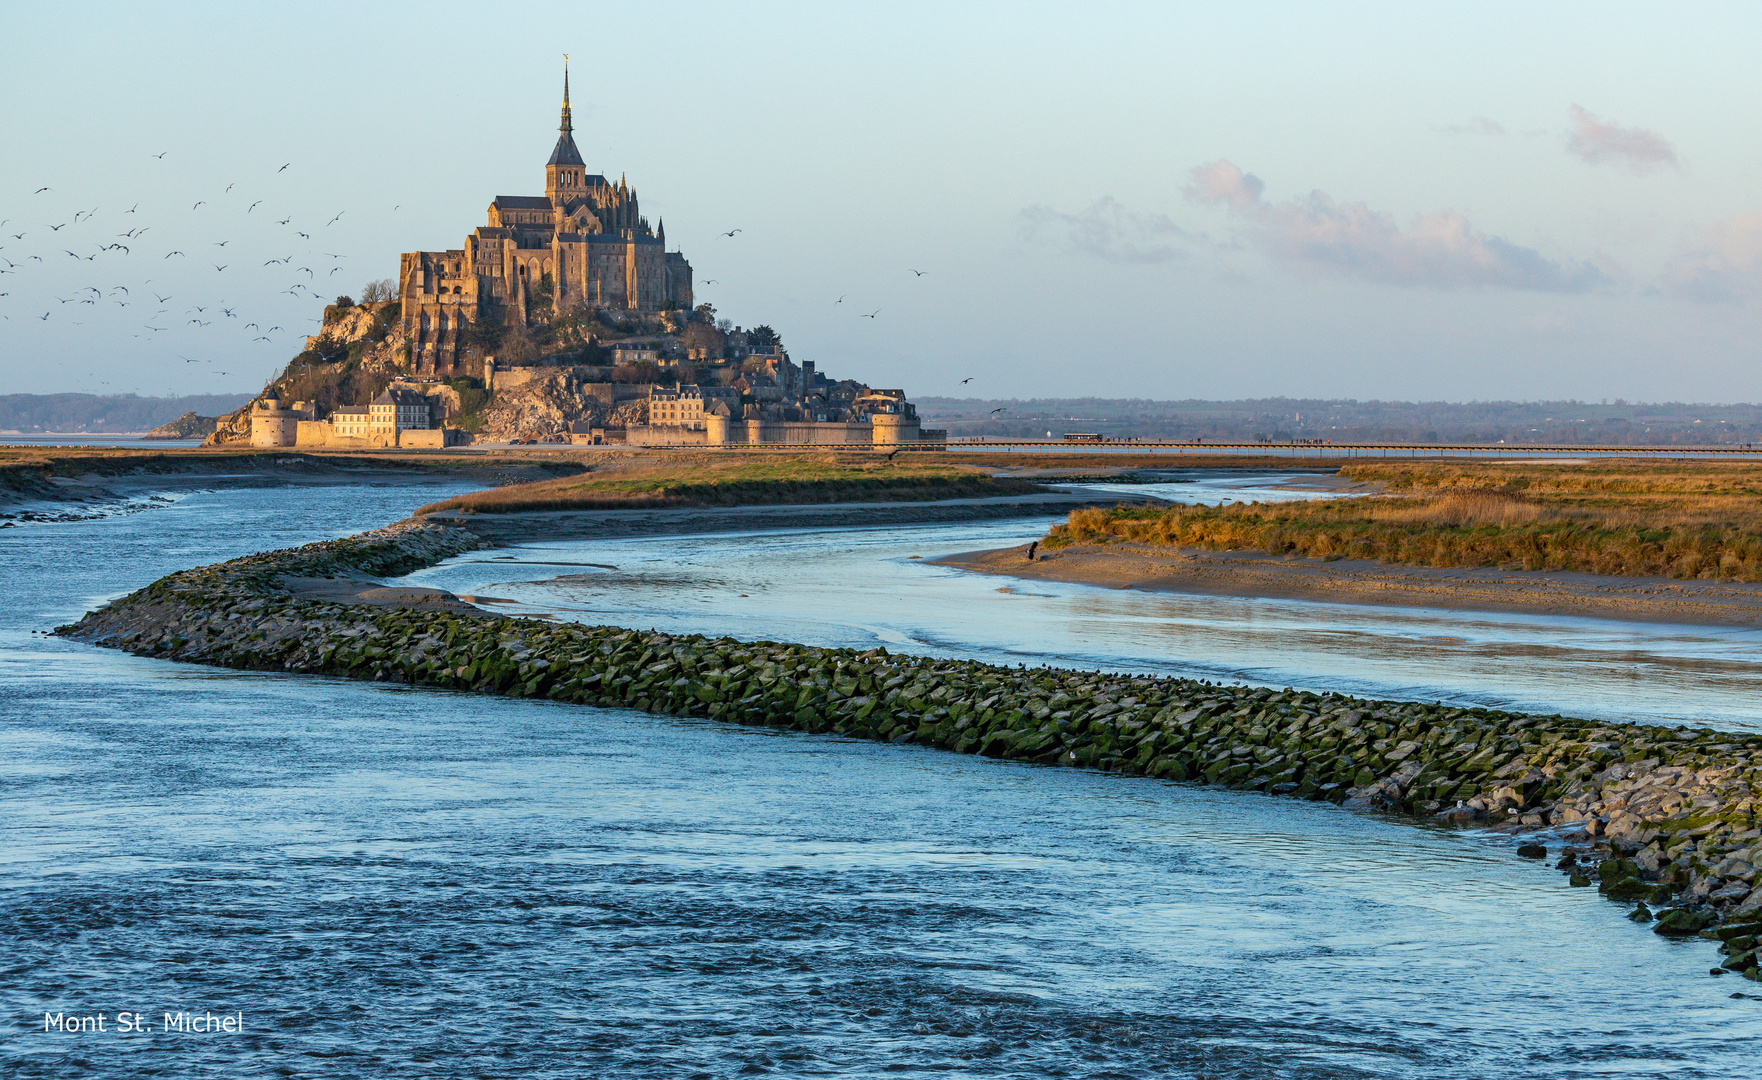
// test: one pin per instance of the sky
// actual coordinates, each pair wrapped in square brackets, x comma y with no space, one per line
[1354,200]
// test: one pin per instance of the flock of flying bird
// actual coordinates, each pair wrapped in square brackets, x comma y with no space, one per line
[117,253]
[123,246]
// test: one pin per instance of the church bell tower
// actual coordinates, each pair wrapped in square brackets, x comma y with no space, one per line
[564,173]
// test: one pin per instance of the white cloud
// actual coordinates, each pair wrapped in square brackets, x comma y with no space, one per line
[1596,142]
[1724,267]
[1108,230]
[1440,250]
[1222,181]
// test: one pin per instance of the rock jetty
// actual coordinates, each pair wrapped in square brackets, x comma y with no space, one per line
[1664,818]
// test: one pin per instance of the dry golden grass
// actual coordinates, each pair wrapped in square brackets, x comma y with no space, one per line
[1636,519]
[722,479]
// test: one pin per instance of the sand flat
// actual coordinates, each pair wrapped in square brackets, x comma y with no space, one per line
[1363,581]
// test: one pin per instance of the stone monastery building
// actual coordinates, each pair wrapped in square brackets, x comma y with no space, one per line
[584,239]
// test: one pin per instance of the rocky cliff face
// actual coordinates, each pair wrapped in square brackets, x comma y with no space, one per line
[349,325]
[544,407]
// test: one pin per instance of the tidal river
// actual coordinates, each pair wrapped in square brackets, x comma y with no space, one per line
[381,882]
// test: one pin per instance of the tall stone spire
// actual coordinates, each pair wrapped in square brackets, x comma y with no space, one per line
[567,127]
[565,155]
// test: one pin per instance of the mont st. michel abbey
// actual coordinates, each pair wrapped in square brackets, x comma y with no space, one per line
[609,346]
[583,242]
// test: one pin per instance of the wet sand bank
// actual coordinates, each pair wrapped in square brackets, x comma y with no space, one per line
[1362,581]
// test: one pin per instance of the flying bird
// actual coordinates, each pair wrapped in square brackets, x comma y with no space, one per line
[284,168]
[731,232]
[334,220]
[229,187]
[333,256]
[252,326]
[263,338]
[966,381]
[218,269]
[284,221]
[304,236]
[169,254]
[712,281]
[253,206]
[222,243]
[58,228]
[161,299]
[18,236]
[996,411]
[840,300]
[201,202]
[132,209]
[160,155]
[871,314]
[39,191]
[920,273]
[44,316]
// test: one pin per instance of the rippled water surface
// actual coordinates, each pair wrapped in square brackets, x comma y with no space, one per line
[398,883]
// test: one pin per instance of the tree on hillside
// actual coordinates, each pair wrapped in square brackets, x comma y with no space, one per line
[541,301]
[705,337]
[375,292]
[517,347]
[763,337]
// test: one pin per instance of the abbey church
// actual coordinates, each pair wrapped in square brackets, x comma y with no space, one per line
[583,242]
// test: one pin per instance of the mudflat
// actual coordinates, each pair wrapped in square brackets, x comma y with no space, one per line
[1363,581]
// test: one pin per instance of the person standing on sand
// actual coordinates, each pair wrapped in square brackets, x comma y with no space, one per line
[1031,548]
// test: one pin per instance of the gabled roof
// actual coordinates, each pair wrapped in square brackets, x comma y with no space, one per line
[521,202]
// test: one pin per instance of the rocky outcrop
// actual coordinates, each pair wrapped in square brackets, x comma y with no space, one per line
[1663,817]
[543,407]
[231,429]
[188,426]
[348,325]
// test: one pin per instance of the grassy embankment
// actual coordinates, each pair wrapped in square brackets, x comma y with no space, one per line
[710,479]
[1622,518]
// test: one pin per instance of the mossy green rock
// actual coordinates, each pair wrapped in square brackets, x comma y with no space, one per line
[1681,922]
